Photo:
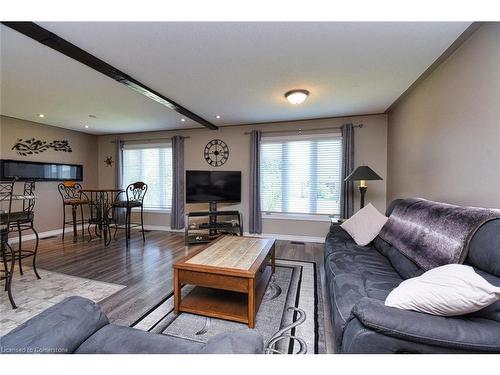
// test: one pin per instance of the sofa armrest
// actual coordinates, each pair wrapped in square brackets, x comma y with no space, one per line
[59,329]
[246,341]
[464,333]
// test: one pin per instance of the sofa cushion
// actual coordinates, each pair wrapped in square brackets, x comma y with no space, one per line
[474,334]
[114,339]
[403,265]
[59,329]
[484,248]
[245,341]
[491,312]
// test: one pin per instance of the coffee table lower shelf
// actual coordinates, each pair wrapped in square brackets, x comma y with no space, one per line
[216,303]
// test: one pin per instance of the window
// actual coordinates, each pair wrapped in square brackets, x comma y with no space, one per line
[152,164]
[301,174]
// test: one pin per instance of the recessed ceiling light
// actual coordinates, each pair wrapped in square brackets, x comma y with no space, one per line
[86,126]
[41,115]
[183,119]
[296,96]
[217,116]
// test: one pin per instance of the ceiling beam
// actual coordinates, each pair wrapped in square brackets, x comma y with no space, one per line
[45,37]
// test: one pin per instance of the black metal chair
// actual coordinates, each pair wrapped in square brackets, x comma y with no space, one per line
[7,254]
[72,196]
[21,221]
[135,194]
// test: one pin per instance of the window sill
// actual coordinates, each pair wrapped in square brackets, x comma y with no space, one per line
[299,217]
[152,210]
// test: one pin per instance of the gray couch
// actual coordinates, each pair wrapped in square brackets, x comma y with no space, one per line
[78,325]
[360,278]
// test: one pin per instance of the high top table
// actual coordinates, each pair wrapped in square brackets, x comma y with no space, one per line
[102,200]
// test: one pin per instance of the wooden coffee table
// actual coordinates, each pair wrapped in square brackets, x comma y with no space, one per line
[231,277]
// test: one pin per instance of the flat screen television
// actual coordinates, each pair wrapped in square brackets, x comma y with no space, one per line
[213,186]
[28,170]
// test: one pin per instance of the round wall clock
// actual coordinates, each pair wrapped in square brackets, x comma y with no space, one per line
[216,152]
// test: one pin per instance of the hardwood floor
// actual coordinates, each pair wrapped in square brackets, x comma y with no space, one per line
[146,269]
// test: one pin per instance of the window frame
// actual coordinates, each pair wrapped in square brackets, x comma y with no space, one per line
[142,145]
[300,216]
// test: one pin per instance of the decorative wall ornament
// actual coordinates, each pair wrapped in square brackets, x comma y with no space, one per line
[35,146]
[109,161]
[216,152]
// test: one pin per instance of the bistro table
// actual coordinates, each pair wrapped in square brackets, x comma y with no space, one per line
[100,203]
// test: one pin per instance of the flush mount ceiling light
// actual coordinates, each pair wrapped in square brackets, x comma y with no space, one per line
[183,119]
[41,115]
[86,126]
[296,96]
[217,116]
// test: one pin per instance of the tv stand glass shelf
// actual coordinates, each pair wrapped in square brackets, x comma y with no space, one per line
[204,226]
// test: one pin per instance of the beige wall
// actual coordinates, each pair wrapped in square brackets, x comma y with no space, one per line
[48,207]
[370,145]
[444,137]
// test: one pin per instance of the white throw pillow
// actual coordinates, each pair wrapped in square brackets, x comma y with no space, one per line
[453,289]
[364,225]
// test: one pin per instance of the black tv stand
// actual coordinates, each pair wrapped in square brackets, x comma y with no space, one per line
[207,227]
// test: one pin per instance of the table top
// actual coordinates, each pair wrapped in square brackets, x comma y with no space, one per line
[101,190]
[232,252]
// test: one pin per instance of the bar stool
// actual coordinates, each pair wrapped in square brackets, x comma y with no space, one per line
[6,252]
[135,194]
[23,220]
[72,196]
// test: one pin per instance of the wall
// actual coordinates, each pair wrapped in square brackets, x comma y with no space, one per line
[444,137]
[48,209]
[370,148]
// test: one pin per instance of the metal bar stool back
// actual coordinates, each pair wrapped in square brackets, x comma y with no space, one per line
[72,195]
[135,193]
[21,221]
[7,255]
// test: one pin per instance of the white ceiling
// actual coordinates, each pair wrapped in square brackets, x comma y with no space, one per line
[237,70]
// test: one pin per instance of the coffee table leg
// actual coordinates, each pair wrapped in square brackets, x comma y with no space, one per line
[251,303]
[177,291]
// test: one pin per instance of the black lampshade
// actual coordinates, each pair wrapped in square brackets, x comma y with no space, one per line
[363,172]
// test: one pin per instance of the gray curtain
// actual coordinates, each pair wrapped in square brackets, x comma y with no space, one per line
[347,190]
[118,163]
[119,214]
[255,214]
[177,214]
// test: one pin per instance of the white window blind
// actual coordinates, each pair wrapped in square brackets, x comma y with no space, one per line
[301,174]
[152,164]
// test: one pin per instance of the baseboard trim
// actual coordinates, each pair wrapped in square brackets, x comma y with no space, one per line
[13,238]
[287,237]
[164,228]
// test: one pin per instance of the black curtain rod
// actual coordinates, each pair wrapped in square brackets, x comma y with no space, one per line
[304,130]
[147,139]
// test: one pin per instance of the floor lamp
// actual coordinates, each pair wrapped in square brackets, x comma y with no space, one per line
[362,174]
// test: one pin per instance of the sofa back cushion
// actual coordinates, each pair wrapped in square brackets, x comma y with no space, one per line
[60,329]
[404,266]
[484,248]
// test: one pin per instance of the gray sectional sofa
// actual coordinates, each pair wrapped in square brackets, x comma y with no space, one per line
[360,278]
[78,325]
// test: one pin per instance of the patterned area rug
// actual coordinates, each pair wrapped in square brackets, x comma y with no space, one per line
[296,284]
[32,296]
